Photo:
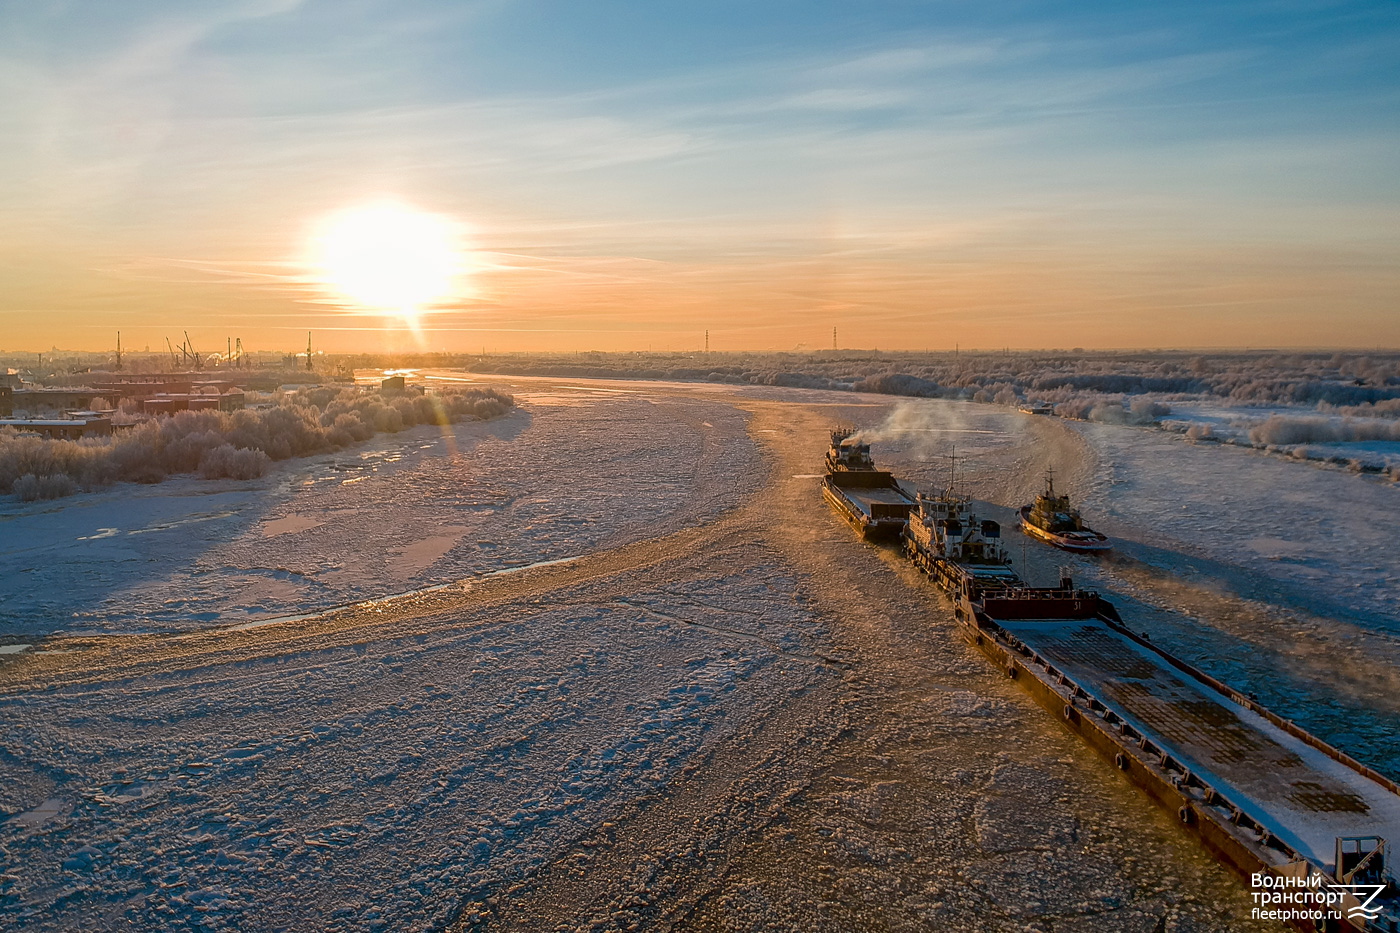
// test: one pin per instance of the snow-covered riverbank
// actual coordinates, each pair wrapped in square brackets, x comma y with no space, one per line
[421,508]
[721,710]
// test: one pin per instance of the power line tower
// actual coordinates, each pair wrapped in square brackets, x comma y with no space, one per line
[119,351]
[308,351]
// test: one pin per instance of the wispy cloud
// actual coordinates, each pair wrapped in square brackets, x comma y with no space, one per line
[894,175]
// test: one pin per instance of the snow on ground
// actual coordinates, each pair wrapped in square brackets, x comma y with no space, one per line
[724,712]
[1268,572]
[434,763]
[403,511]
[1232,424]
[1320,536]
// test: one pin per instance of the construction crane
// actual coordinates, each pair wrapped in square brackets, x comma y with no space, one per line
[174,363]
[194,357]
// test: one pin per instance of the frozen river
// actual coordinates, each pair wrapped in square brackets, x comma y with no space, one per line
[569,472]
[698,702]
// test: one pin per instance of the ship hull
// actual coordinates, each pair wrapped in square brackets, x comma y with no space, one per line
[1236,832]
[872,501]
[1157,785]
[1072,653]
[871,529]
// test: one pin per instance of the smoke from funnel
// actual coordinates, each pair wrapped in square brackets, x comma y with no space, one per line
[925,427]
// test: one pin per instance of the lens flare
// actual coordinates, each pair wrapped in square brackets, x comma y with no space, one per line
[388,258]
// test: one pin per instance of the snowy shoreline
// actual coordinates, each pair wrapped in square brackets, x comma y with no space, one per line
[709,663]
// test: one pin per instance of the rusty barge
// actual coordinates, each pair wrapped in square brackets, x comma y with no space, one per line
[872,500]
[1307,825]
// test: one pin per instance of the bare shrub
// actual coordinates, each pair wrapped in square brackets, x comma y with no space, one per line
[1076,409]
[229,462]
[1110,413]
[1145,410]
[1286,430]
[30,488]
[240,444]
[898,384]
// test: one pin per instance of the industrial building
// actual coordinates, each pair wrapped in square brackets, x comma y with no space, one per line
[204,398]
[92,424]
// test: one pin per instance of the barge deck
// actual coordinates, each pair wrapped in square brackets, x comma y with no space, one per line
[1260,792]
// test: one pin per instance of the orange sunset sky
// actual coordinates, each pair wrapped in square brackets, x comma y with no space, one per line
[627,176]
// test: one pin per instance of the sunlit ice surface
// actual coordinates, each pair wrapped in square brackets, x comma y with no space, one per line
[389,258]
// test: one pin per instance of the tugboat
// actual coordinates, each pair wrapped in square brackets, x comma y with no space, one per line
[1054,520]
[1280,806]
[871,499]
[847,455]
[947,541]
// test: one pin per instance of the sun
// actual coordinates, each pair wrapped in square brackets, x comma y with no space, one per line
[388,258]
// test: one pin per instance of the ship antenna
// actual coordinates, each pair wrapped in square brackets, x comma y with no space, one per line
[1050,482]
[952,468]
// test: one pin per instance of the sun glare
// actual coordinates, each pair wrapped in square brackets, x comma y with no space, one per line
[389,258]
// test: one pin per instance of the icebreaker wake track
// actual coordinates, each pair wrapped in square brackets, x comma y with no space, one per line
[749,723]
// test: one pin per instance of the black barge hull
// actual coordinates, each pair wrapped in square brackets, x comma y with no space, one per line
[1224,810]
[872,500]
[1263,795]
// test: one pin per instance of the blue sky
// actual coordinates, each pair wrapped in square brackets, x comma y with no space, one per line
[1018,174]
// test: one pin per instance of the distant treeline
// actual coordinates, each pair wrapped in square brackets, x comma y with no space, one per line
[236,445]
[1365,384]
[1341,397]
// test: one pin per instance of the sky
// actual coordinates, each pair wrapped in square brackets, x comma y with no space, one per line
[628,176]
